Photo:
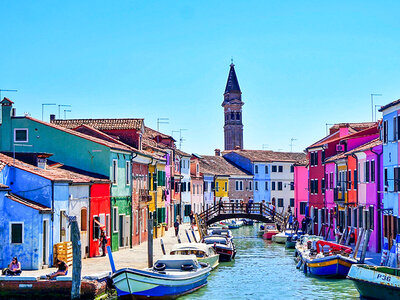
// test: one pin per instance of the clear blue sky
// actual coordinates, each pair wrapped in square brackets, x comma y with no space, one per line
[300,64]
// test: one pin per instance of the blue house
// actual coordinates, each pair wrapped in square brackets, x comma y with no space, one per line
[390,135]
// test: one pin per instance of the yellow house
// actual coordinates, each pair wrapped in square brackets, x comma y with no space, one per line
[221,186]
[161,186]
[152,187]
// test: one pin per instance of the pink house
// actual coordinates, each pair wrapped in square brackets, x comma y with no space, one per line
[300,190]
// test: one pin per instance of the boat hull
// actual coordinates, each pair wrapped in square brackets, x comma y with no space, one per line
[335,266]
[373,284]
[153,285]
[213,261]
[269,234]
[290,244]
[280,239]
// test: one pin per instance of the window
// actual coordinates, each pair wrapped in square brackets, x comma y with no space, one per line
[84,219]
[355,176]
[114,175]
[385,132]
[273,169]
[292,202]
[115,219]
[280,169]
[292,169]
[372,171]
[250,185]
[127,172]
[280,202]
[137,221]
[17,232]
[266,169]
[108,224]
[96,227]
[197,168]
[21,135]
[395,136]
[256,169]
[188,186]
[256,185]
[331,180]
[386,178]
[273,185]
[303,208]
[366,171]
[322,185]
[279,185]
[205,186]
[217,186]
[316,186]
[239,185]
[292,186]
[349,180]
[396,179]
[314,159]
[322,157]
[266,185]
[226,186]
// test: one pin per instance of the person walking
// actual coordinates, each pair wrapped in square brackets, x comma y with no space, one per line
[103,242]
[176,226]
[338,234]
[191,217]
[220,205]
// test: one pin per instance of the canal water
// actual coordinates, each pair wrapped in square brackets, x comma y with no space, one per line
[265,270]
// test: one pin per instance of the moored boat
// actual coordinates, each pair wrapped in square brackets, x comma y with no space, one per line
[280,238]
[269,231]
[204,253]
[223,246]
[325,259]
[291,242]
[374,282]
[170,277]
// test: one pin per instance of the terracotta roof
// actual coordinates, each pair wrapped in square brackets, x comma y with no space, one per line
[218,165]
[270,156]
[102,124]
[51,173]
[355,126]
[81,135]
[365,132]
[363,147]
[181,153]
[393,103]
[151,133]
[28,203]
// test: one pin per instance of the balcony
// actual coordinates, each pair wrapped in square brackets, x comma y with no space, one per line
[339,194]
[144,195]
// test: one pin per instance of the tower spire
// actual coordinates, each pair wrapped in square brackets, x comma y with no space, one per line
[232,84]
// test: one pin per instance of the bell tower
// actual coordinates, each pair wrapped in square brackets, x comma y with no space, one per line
[233,128]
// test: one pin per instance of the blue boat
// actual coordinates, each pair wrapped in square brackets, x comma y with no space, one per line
[170,277]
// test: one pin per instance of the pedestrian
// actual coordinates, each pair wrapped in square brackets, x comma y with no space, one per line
[103,242]
[304,225]
[262,207]
[220,205]
[14,268]
[290,221]
[241,205]
[338,234]
[250,204]
[62,269]
[176,226]
[191,216]
[289,209]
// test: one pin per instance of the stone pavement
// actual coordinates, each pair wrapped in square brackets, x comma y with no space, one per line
[135,257]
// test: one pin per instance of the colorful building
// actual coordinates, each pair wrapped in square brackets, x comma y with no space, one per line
[300,189]
[196,191]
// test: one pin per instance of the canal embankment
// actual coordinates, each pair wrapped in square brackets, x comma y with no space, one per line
[135,257]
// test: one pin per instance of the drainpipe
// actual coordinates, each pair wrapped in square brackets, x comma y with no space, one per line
[90,218]
[52,217]
[132,210]
[378,155]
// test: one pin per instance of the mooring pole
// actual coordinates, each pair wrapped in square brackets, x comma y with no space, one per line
[162,246]
[150,241]
[187,235]
[77,259]
[194,236]
[365,246]
[359,239]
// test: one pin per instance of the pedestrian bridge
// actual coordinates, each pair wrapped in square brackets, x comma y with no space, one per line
[256,211]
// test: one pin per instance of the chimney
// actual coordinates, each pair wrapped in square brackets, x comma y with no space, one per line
[41,162]
[217,152]
[52,117]
[13,112]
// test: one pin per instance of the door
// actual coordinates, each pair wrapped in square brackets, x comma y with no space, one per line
[63,226]
[45,242]
[121,230]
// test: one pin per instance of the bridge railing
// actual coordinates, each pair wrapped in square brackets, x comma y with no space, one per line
[245,209]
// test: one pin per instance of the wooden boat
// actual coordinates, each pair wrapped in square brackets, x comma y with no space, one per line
[248,222]
[280,238]
[223,245]
[269,231]
[221,231]
[12,287]
[204,253]
[291,242]
[170,277]
[325,259]
[376,282]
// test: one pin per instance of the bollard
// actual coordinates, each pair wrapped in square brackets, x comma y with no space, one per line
[111,259]
[187,234]
[162,246]
[77,261]
[179,239]
[194,236]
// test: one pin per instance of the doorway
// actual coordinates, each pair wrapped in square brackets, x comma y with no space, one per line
[121,230]
[45,242]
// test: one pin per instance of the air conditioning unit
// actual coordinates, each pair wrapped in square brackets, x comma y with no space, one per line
[339,148]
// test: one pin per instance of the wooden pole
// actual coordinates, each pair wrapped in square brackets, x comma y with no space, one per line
[360,236]
[364,249]
[150,241]
[77,260]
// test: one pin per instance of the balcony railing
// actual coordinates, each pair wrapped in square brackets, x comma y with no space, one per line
[339,194]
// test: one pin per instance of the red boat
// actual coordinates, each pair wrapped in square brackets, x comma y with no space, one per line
[332,246]
[269,233]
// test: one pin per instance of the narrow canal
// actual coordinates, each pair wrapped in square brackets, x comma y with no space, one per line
[265,270]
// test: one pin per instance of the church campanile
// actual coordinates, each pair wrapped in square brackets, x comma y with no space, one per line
[233,128]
